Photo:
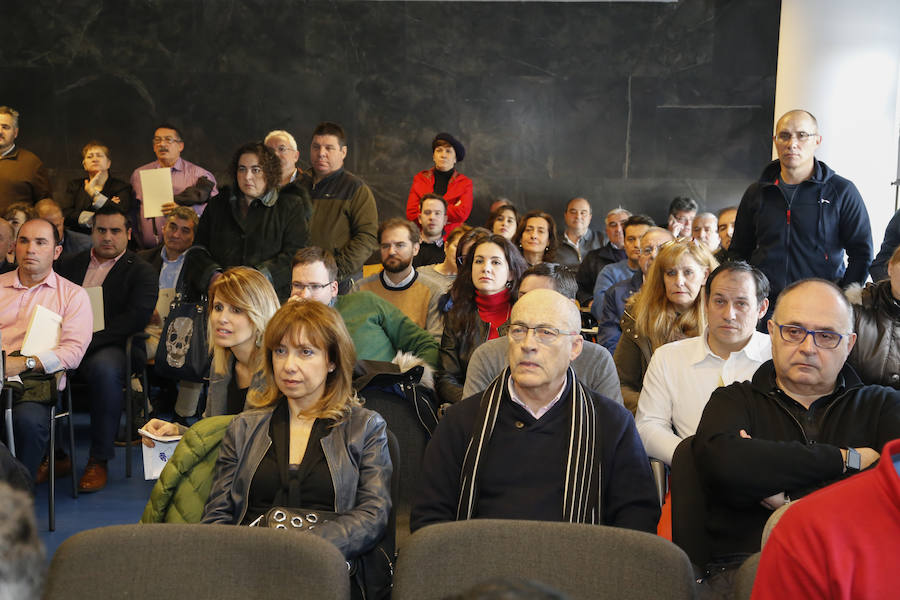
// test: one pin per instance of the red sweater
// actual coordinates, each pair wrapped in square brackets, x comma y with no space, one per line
[459,197]
[840,542]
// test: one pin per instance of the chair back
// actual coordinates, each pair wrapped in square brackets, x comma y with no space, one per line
[199,561]
[689,513]
[743,582]
[582,561]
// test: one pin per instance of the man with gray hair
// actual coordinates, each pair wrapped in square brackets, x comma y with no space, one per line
[594,367]
[285,147]
[594,261]
[23,177]
[530,446]
[802,422]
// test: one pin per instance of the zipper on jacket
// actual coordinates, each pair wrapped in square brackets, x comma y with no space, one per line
[255,469]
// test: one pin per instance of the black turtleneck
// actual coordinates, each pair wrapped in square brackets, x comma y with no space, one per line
[442,180]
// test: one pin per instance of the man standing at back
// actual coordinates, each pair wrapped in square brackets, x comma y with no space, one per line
[800,217]
[23,177]
[578,238]
[345,218]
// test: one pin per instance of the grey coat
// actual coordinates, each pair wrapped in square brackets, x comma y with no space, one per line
[356,450]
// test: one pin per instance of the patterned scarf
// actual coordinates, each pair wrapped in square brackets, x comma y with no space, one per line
[581,498]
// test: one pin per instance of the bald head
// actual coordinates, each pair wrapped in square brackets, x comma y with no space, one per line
[792,114]
[816,293]
[547,307]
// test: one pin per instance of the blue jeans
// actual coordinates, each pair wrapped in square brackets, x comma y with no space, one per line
[104,372]
[31,431]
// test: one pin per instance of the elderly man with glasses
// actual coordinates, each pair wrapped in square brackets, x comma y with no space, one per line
[192,185]
[531,445]
[801,217]
[804,420]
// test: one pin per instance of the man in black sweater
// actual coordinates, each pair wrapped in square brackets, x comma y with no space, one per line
[505,453]
[804,421]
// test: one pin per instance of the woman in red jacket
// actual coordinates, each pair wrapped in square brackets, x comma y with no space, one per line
[445,180]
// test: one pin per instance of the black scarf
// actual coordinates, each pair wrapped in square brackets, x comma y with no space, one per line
[581,499]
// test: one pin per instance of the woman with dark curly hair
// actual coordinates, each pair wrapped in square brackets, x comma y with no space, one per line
[482,297]
[252,223]
[536,237]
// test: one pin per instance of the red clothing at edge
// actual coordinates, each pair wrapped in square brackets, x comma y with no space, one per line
[841,542]
[459,197]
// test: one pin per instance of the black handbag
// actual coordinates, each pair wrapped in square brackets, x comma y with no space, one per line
[183,350]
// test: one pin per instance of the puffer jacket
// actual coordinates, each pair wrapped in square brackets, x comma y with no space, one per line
[183,486]
[876,355]
[356,451]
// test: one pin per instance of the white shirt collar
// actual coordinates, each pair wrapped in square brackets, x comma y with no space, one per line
[541,411]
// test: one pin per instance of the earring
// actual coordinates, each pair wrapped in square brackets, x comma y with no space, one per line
[547,249]
[259,339]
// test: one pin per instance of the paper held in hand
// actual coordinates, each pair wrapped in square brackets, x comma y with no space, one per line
[156,458]
[43,331]
[156,188]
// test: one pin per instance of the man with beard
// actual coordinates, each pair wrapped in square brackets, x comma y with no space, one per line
[399,282]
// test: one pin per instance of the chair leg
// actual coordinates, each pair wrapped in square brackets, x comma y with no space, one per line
[51,498]
[71,440]
[129,419]
[10,438]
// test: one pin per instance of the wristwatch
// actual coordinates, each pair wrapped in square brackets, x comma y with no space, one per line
[30,362]
[853,462]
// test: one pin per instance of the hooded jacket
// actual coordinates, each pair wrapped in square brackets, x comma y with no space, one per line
[807,234]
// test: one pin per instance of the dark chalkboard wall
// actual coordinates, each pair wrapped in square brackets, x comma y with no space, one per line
[625,103]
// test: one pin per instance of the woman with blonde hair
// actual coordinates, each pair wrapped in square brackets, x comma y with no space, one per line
[668,307]
[308,444]
[241,303]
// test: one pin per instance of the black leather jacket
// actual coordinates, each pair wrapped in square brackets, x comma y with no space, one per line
[356,451]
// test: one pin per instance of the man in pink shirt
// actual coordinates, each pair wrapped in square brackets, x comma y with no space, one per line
[192,185]
[33,284]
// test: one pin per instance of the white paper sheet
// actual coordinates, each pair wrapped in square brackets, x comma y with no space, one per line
[95,294]
[156,187]
[155,458]
[43,331]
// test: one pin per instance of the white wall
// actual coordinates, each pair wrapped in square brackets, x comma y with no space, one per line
[840,60]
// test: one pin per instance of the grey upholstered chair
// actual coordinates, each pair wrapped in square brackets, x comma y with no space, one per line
[581,561]
[743,581]
[196,561]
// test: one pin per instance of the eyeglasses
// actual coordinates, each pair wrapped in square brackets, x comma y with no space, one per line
[794,334]
[544,334]
[282,149]
[802,136]
[168,139]
[312,287]
[648,250]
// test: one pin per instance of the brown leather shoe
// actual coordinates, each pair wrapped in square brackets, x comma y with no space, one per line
[63,468]
[94,478]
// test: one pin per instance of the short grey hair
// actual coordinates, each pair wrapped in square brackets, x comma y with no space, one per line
[281,133]
[6,110]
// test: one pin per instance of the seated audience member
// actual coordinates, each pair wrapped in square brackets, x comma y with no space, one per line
[284,146]
[726,230]
[16,214]
[609,312]
[804,421]
[499,202]
[682,374]
[83,196]
[23,177]
[441,275]
[705,230]
[398,282]
[482,297]
[378,329]
[876,316]
[308,444]
[593,367]
[594,261]
[345,217]
[168,259]
[34,283]
[22,560]
[504,221]
[192,185]
[536,237]
[241,303]
[610,275]
[578,239]
[669,307]
[839,543]
[129,289]
[72,242]
[681,215]
[444,180]
[7,246]
[878,268]
[432,218]
[253,223]
[503,454]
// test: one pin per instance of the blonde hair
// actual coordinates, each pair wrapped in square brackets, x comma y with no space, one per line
[654,315]
[250,291]
[323,328]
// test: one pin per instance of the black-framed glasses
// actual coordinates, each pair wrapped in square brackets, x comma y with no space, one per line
[794,334]
[312,287]
[544,333]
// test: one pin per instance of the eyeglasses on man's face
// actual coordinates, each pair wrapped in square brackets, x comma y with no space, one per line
[312,287]
[794,334]
[802,136]
[544,333]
